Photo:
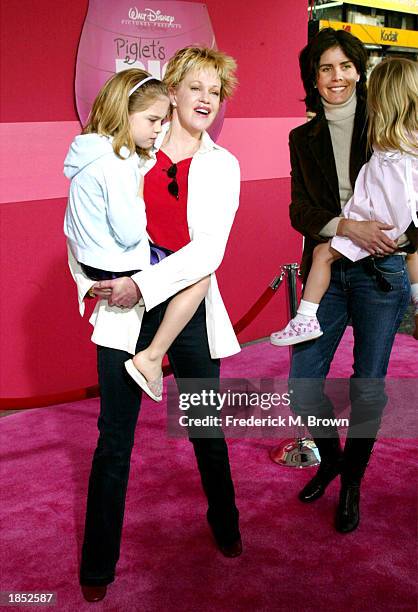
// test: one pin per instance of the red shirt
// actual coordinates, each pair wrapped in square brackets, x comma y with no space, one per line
[167,216]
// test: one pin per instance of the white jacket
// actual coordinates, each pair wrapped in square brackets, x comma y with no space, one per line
[213,198]
[105,220]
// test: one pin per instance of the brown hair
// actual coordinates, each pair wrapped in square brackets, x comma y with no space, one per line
[310,56]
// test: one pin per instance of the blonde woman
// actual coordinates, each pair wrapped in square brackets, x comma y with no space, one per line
[191,190]
[386,190]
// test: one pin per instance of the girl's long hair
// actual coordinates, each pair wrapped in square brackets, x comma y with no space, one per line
[392,102]
[109,115]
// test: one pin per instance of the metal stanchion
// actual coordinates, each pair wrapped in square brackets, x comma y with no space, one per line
[300,451]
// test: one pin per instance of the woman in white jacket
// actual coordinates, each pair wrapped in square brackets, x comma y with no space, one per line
[191,194]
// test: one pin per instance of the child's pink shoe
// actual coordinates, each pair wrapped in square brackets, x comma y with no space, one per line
[297,331]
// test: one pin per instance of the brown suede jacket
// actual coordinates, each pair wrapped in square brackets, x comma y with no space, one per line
[315,193]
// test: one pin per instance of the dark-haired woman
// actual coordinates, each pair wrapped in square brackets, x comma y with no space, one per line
[326,156]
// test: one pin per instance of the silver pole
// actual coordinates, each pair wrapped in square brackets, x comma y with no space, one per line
[300,451]
[292,294]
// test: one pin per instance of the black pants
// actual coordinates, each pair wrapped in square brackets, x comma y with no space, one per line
[119,408]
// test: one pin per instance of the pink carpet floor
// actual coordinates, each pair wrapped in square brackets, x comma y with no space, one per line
[293,558]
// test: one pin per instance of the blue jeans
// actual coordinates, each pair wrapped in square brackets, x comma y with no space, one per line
[120,400]
[355,293]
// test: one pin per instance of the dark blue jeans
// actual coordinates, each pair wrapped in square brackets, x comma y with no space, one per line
[119,408]
[356,292]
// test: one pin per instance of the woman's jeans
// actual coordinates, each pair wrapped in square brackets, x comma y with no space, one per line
[356,292]
[119,408]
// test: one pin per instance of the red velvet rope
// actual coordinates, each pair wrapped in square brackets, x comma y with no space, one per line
[255,310]
[41,401]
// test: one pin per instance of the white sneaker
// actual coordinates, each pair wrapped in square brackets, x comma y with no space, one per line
[297,331]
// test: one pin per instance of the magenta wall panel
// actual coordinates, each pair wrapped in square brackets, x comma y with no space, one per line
[38,47]
[31,156]
[44,344]
[261,241]
[35,172]
[265,37]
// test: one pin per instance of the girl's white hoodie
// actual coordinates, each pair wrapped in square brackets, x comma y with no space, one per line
[105,220]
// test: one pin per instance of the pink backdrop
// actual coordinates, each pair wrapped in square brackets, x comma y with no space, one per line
[117,36]
[44,345]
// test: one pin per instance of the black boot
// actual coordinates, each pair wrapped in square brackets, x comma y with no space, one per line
[356,456]
[347,517]
[330,467]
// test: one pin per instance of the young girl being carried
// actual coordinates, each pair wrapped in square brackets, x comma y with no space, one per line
[105,220]
[386,191]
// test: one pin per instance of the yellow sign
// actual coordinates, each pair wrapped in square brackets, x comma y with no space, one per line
[375,35]
[403,6]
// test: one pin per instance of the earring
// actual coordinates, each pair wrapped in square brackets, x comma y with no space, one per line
[174,105]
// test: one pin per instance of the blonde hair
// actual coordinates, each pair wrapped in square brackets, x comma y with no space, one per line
[392,103]
[109,115]
[202,58]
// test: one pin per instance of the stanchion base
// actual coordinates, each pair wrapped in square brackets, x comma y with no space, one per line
[297,452]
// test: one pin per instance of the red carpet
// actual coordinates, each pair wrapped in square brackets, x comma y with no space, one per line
[293,558]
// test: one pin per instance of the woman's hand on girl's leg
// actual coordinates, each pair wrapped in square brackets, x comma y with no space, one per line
[124,292]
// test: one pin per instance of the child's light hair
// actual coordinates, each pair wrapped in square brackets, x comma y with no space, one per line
[109,115]
[392,102]
[202,58]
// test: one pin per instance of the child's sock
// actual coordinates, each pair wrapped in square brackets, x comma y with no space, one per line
[304,326]
[414,296]
[307,310]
